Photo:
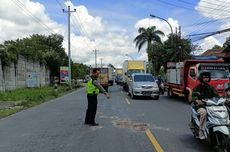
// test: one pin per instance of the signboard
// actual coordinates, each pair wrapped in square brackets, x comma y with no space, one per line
[136,65]
[64,74]
[31,79]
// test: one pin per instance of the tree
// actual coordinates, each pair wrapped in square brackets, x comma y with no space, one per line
[216,47]
[79,70]
[162,53]
[180,50]
[150,36]
[47,50]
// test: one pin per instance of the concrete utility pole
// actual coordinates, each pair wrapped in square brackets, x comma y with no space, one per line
[95,51]
[180,44]
[101,62]
[69,53]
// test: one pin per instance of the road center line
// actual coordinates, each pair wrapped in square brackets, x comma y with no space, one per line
[153,140]
[127,100]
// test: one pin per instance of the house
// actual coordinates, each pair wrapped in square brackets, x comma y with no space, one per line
[226,51]
[218,53]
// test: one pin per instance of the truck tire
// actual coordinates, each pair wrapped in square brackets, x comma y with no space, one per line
[186,95]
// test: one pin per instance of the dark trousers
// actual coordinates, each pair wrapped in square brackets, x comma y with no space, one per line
[91,110]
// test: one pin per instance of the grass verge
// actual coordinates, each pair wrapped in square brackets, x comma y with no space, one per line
[20,99]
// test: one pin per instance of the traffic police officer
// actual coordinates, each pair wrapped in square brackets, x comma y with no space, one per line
[93,89]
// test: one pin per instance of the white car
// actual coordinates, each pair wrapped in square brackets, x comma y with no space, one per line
[143,84]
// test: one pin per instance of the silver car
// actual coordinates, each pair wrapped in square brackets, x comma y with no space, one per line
[143,84]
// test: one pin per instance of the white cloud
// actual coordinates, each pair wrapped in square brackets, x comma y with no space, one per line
[111,41]
[208,43]
[213,9]
[26,18]
[30,17]
[160,25]
[216,10]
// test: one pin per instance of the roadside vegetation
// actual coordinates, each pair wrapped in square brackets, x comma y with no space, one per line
[48,51]
[20,99]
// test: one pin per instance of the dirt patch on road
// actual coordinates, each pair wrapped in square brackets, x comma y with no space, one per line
[127,123]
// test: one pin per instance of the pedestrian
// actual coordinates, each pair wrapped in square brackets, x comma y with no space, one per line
[93,89]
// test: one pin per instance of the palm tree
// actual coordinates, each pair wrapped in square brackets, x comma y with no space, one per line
[151,36]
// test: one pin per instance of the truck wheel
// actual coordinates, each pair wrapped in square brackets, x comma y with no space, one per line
[187,98]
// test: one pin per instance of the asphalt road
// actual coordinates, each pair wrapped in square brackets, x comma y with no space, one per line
[126,125]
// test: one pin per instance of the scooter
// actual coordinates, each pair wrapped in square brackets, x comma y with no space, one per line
[216,131]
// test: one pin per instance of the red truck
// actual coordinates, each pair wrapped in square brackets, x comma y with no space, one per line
[182,77]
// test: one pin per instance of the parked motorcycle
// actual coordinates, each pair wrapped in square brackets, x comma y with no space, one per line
[216,130]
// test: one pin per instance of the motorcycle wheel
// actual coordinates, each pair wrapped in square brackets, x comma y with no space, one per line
[221,142]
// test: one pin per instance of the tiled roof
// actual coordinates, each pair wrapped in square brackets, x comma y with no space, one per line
[217,53]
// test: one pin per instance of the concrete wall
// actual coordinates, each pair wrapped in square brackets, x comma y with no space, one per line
[25,73]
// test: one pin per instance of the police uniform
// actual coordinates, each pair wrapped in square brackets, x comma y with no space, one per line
[92,93]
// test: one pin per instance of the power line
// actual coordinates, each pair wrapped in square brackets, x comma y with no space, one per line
[205,22]
[171,4]
[192,4]
[200,37]
[167,3]
[69,53]
[202,25]
[76,22]
[205,25]
[59,3]
[22,6]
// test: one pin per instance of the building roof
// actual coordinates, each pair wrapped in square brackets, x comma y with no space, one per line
[226,50]
[217,53]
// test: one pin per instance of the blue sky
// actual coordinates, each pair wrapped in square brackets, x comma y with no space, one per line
[111,25]
[125,13]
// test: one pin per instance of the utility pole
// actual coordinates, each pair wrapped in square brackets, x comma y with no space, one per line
[95,51]
[176,46]
[69,53]
[180,44]
[101,62]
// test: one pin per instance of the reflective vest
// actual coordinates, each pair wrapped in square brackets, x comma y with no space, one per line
[92,89]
